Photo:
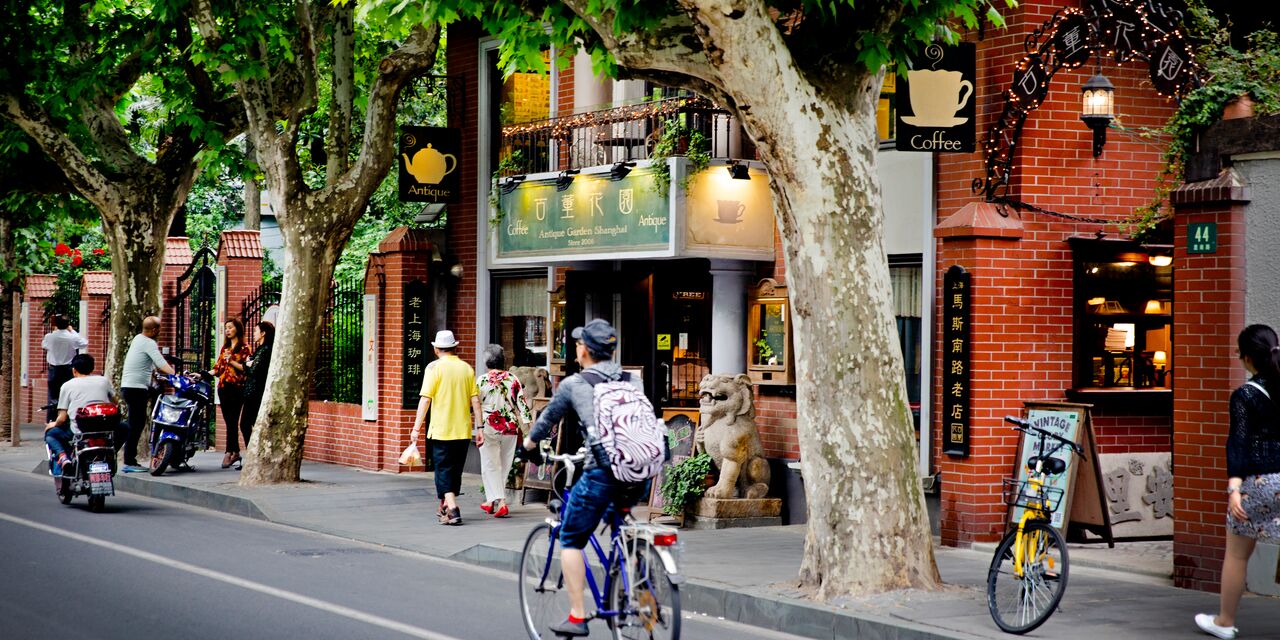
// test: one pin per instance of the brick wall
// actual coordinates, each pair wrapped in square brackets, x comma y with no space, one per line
[177,258]
[37,289]
[1022,336]
[1208,303]
[95,288]
[463,61]
[240,254]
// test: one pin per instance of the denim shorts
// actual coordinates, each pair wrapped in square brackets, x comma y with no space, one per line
[592,499]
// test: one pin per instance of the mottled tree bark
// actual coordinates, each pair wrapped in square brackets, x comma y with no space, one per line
[814,123]
[7,290]
[252,192]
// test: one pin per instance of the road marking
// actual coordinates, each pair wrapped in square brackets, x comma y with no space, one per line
[329,607]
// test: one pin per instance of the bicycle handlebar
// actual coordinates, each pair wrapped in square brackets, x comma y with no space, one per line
[575,458]
[1025,426]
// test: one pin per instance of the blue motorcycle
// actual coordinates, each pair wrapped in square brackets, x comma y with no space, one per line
[180,422]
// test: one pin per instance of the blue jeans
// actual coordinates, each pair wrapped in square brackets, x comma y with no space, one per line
[59,440]
[595,497]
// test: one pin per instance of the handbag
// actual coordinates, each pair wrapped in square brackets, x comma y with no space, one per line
[411,455]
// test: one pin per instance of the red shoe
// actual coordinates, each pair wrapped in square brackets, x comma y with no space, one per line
[501,512]
[486,507]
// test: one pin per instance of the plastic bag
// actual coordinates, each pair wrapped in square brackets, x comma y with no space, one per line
[411,455]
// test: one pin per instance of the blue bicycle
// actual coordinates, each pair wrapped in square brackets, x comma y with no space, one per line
[639,596]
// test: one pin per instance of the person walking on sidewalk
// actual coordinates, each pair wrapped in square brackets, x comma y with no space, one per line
[449,390]
[255,384]
[230,371]
[60,346]
[1253,470]
[505,415]
[142,359]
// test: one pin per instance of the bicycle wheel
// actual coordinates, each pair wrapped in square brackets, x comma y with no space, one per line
[542,595]
[1021,600]
[650,609]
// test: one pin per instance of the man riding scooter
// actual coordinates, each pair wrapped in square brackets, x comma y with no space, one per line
[83,389]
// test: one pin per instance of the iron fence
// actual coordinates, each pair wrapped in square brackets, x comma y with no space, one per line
[197,295]
[256,303]
[625,133]
[338,364]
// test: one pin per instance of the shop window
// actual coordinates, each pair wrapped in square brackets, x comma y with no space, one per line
[887,109]
[769,334]
[521,320]
[1124,316]
[906,276]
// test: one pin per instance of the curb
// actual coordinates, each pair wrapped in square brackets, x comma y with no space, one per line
[171,492]
[775,613]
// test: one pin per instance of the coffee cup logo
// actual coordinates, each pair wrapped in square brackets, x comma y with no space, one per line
[936,96]
[730,211]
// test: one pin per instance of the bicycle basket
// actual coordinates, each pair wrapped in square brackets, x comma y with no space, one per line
[1020,493]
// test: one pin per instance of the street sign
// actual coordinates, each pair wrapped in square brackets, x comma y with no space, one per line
[1202,237]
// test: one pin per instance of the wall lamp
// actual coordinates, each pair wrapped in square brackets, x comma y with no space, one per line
[565,179]
[1098,109]
[619,170]
[1160,259]
[739,170]
[509,183]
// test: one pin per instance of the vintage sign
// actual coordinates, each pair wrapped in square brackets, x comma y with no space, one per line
[956,296]
[936,109]
[369,360]
[1081,482]
[592,215]
[417,342]
[1202,237]
[428,164]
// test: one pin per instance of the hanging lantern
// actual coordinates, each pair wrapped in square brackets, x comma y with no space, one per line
[1098,109]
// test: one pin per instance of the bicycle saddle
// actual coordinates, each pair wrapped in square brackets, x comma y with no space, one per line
[1052,466]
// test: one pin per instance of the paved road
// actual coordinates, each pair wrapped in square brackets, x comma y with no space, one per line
[149,569]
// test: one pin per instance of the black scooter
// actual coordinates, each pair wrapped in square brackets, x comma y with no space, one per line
[93,458]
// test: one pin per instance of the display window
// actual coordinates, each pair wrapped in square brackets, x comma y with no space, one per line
[1124,316]
[521,319]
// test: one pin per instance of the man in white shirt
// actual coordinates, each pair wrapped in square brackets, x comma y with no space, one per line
[60,346]
[142,359]
[83,389]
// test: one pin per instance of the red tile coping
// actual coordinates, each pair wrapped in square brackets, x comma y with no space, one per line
[96,283]
[981,220]
[1229,186]
[177,251]
[240,243]
[40,285]
[405,239]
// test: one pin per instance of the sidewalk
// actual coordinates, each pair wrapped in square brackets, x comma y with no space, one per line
[744,575]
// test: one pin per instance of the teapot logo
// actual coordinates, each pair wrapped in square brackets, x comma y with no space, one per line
[429,166]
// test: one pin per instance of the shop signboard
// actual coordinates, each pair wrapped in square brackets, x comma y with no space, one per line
[417,351]
[728,217]
[428,164]
[592,215]
[1080,482]
[956,296]
[936,105]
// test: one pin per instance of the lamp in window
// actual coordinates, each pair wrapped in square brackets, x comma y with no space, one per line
[1098,109]
[1160,259]
[1154,306]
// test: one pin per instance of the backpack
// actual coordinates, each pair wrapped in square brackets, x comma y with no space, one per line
[632,435]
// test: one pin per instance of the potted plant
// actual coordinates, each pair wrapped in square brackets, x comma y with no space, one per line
[684,483]
[675,138]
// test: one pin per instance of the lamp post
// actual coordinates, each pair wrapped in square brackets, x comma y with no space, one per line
[1098,109]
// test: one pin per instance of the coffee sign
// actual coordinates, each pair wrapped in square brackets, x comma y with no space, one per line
[936,109]
[428,164]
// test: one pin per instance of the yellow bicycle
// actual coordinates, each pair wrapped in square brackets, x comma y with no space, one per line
[1028,574]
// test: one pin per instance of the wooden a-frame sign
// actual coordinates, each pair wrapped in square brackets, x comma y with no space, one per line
[1082,478]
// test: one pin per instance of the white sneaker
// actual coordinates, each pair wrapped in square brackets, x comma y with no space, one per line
[1206,624]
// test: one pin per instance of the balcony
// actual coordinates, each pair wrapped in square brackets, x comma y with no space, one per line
[625,133]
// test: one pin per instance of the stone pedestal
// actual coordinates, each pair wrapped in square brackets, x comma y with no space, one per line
[714,513]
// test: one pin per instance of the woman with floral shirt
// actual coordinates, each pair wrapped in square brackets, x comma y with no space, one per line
[505,413]
[230,372]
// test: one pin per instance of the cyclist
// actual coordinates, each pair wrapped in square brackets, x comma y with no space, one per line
[597,492]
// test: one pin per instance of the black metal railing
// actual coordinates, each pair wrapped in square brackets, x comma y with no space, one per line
[195,303]
[256,303]
[619,134]
[339,367]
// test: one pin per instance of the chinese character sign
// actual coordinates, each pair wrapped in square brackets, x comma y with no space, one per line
[956,290]
[417,340]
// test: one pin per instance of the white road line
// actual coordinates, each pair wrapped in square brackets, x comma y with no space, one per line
[328,607]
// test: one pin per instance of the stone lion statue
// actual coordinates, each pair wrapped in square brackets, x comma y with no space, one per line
[729,435]
[535,382]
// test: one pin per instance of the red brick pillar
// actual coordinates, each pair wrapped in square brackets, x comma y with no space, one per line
[1208,314]
[462,229]
[35,393]
[984,242]
[405,255]
[177,258]
[239,275]
[95,290]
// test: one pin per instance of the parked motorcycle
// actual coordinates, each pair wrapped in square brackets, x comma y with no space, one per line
[180,422]
[92,457]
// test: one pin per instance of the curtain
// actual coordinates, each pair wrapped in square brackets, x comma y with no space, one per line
[522,297]
[906,282]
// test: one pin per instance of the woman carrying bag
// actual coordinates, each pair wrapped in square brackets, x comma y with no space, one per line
[505,414]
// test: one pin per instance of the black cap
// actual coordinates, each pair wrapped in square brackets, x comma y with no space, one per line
[598,335]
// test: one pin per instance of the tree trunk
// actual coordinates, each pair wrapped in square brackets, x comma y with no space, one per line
[252,195]
[275,450]
[868,528]
[7,288]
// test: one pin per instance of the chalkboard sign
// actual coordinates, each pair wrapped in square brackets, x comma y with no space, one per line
[680,430]
[1081,477]
[417,344]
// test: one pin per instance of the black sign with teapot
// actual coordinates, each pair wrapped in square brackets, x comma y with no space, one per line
[936,105]
[428,160]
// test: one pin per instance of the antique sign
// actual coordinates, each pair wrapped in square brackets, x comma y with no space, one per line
[1202,237]
[956,296]
[592,215]
[936,109]
[428,164]
[417,342]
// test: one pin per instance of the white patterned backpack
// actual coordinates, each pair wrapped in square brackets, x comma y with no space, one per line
[631,434]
